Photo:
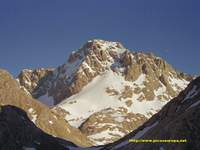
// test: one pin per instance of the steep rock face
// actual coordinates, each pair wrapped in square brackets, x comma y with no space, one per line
[179,119]
[36,83]
[103,74]
[48,120]
[32,79]
[109,125]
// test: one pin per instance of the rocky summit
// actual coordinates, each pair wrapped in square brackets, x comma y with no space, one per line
[105,89]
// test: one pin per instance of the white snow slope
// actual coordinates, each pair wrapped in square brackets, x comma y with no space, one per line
[93,98]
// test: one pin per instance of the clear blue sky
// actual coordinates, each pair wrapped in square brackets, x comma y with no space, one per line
[42,33]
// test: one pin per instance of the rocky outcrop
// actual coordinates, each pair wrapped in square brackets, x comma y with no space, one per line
[114,124]
[33,82]
[179,119]
[48,120]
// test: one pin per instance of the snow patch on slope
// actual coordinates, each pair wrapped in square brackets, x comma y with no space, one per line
[140,81]
[192,93]
[102,138]
[33,115]
[177,83]
[147,108]
[93,98]
[160,90]
[108,45]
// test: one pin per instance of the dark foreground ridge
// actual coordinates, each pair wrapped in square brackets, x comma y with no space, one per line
[17,132]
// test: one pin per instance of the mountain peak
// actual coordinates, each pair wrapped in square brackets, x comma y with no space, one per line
[103,45]
[105,42]
[103,74]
